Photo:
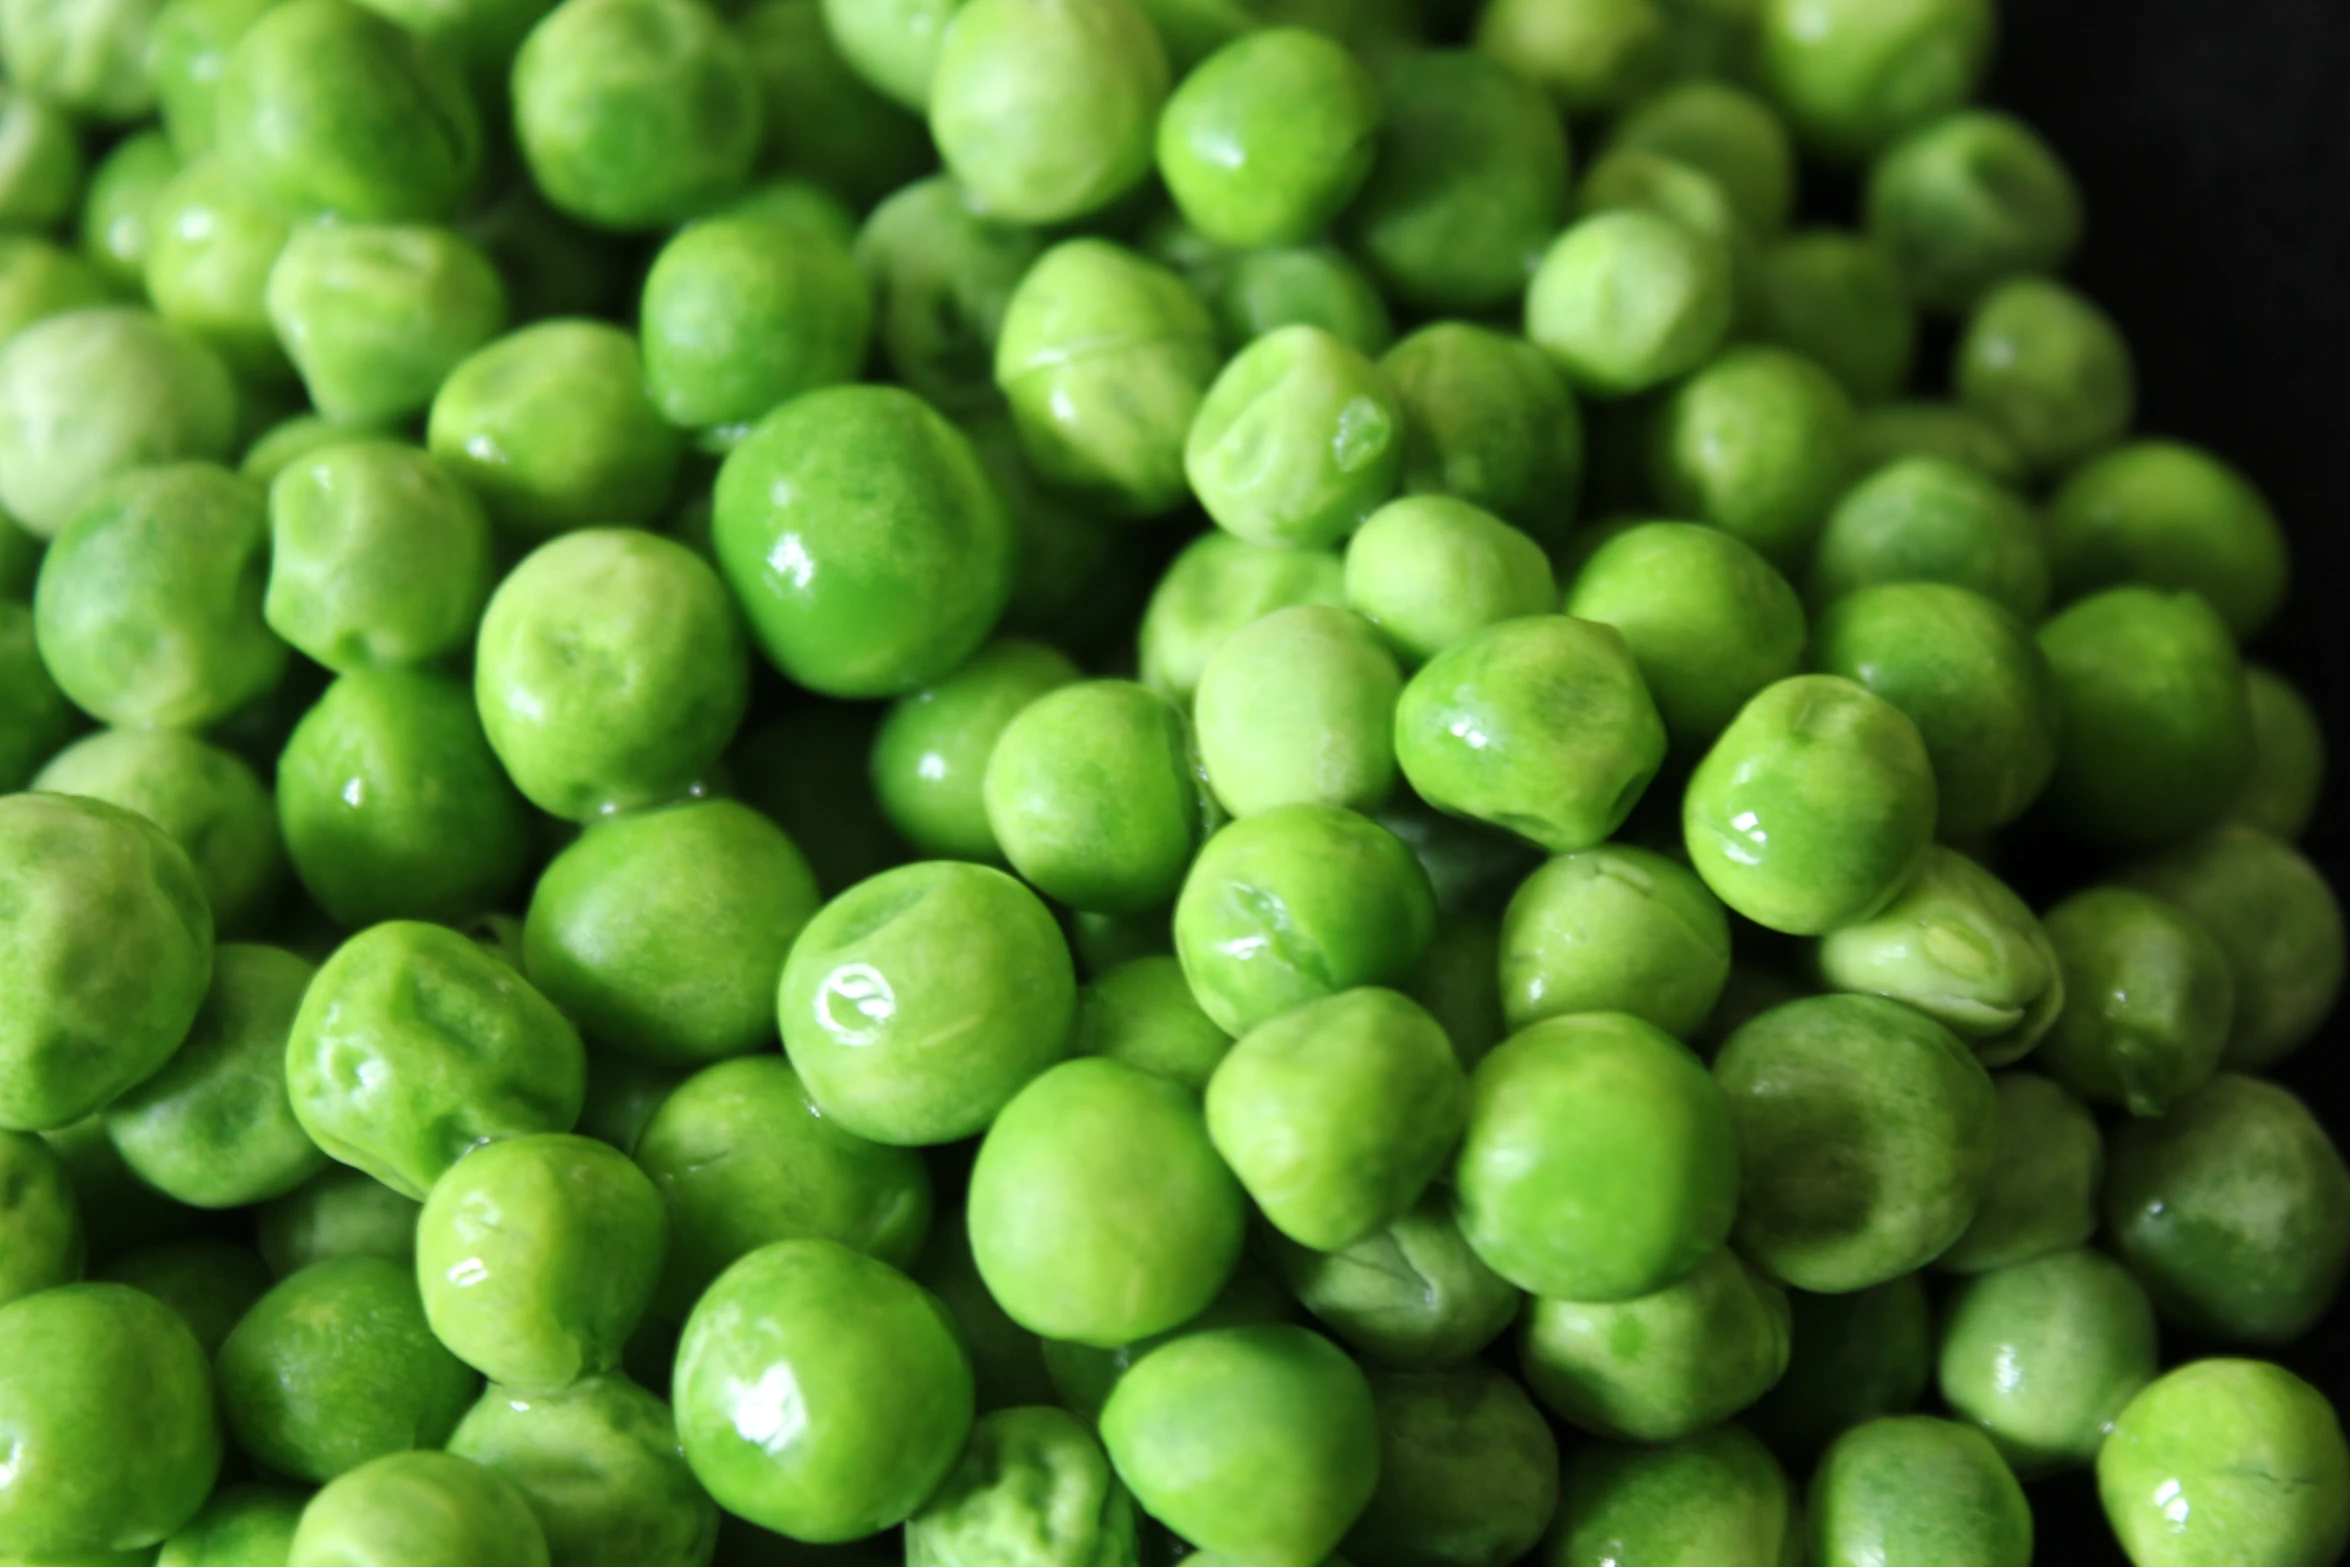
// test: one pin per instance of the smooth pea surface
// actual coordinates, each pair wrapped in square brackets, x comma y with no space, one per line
[1613,929]
[1715,1500]
[2149,1000]
[1468,1471]
[2046,1167]
[1912,1485]
[419,1507]
[2044,1354]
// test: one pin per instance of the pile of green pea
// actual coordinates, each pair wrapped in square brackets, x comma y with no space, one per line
[1064,783]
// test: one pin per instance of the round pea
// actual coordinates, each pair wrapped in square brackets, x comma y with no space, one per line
[1758,443]
[1911,1485]
[376,316]
[1969,201]
[1590,55]
[930,754]
[1414,1295]
[419,1507]
[42,1245]
[339,1212]
[1853,1357]
[1853,75]
[2049,370]
[1215,585]
[1613,929]
[89,57]
[2148,1000]
[117,222]
[1141,1012]
[1728,133]
[1932,519]
[1082,1376]
[208,265]
[2044,1354]
[942,277]
[2170,516]
[1429,571]
[892,46]
[1300,706]
[2041,1194]
[1488,420]
[1468,1471]
[1925,427]
[1625,301]
[1839,300]
[1029,1475]
[1268,138]
[2288,757]
[1296,442]
[1715,1500]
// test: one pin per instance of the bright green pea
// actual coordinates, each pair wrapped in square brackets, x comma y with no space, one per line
[1300,706]
[1716,1500]
[1468,1471]
[1613,929]
[2047,368]
[1213,587]
[1723,131]
[636,114]
[38,279]
[2227,1458]
[1032,1480]
[2288,757]
[1759,443]
[930,754]
[1414,1295]
[1969,201]
[1589,55]
[1627,300]
[1888,432]
[2044,1354]
[552,426]
[42,1245]
[806,772]
[376,316]
[1429,572]
[1838,299]
[214,240]
[413,1045]
[1266,140]
[242,1526]
[40,160]
[2170,516]
[117,225]
[1853,75]
[942,277]
[1258,292]
[863,541]
[1298,440]
[1855,1356]
[1932,519]
[1865,1134]
[1907,1487]
[1598,1163]
[2041,1194]
[802,206]
[89,1365]
[419,1507]
[1260,1442]
[822,122]
[1487,419]
[336,1366]
[393,803]
[664,932]
[892,44]
[821,1393]
[1469,185]
[1141,1012]
[2149,997]
[211,1284]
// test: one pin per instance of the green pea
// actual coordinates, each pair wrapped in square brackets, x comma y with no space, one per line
[1725,132]
[1759,443]
[1854,75]
[1814,808]
[336,1366]
[551,425]
[2156,732]
[1141,1012]
[2149,997]
[2044,1354]
[807,773]
[294,438]
[1261,1442]
[2227,1456]
[42,1245]
[1255,293]
[1887,432]
[1093,794]
[1912,1486]
[1613,929]
[879,1397]
[211,1284]
[1627,300]
[2047,368]
[1413,1295]
[215,239]
[2288,757]
[242,1526]
[1099,1209]
[393,803]
[942,277]
[1865,1134]
[863,541]
[1298,440]
[420,1507]
[1299,706]
[1838,299]
[413,1045]
[930,754]
[1590,55]
[1029,1477]
[893,46]
[1716,1500]
[1213,587]
[1468,1471]
[39,279]
[2041,1194]
[1931,519]
[1854,1357]
[1969,201]
[1468,187]
[2170,516]
[1634,179]
[822,122]
[1428,572]
[376,316]
[1298,903]
[743,1158]
[1045,109]
[117,221]
[1267,139]
[87,1363]
[108,942]
[1488,420]
[340,1212]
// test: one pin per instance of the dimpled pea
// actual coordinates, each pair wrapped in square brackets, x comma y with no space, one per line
[1259,1442]
[424,1508]
[41,1240]
[2048,368]
[2288,757]
[1725,132]
[552,427]
[1932,519]
[1468,1472]
[117,226]
[1838,299]
[1854,75]
[1214,586]
[664,932]
[2149,997]
[863,539]
[1912,1488]
[743,1158]
[2041,1194]
[208,266]
[1540,725]
[1413,1295]
[1429,572]
[1613,929]
[1759,444]
[1298,903]
[87,395]
[2233,1210]
[1093,795]
[742,314]
[1589,55]
[413,1045]
[1468,187]
[38,280]
[2044,1354]
[40,161]
[1045,109]
[86,1364]
[1297,441]
[636,114]
[1716,1500]
[1627,300]
[1854,1357]
[107,941]
[942,277]
[1269,137]
[1865,1134]
[1141,1012]
[1923,427]
[822,122]
[209,801]
[1970,201]
[2170,516]
[1488,420]
[336,1366]
[1300,706]
[242,1526]
[2156,732]
[930,754]
[375,316]
[1033,1485]
[2228,1460]
[214,1128]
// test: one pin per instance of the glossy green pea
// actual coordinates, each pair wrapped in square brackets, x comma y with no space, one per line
[1969,201]
[2149,997]
[1414,1295]
[821,121]
[340,1212]
[211,1284]
[40,160]
[419,1507]
[2227,1457]
[806,773]
[140,393]
[636,114]
[1296,442]
[2044,1354]
[1853,75]
[2049,369]
[1911,1485]
[1007,1361]
[1099,1209]
[1468,187]
[821,1393]
[39,279]
[1716,1500]
[551,426]
[743,1158]
[1838,299]
[393,803]
[1141,1012]
[893,45]
[1045,109]
[1468,1472]
[2288,757]
[1759,444]
[242,1526]
[1488,420]
[1922,427]
[863,540]
[336,1366]
[1613,929]
[1627,300]
[215,239]
[413,1045]
[2168,515]
[2041,1194]
[117,225]
[930,754]
[1854,1357]
[1865,1133]
[108,942]
[376,316]
[2156,732]
[1268,138]
[1215,585]
[42,1245]
[1429,571]
[1031,1480]
[1299,706]
[942,277]
[1295,904]
[1589,55]
[2233,1210]
[1261,1442]
[1728,133]
[87,1363]
[1931,519]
